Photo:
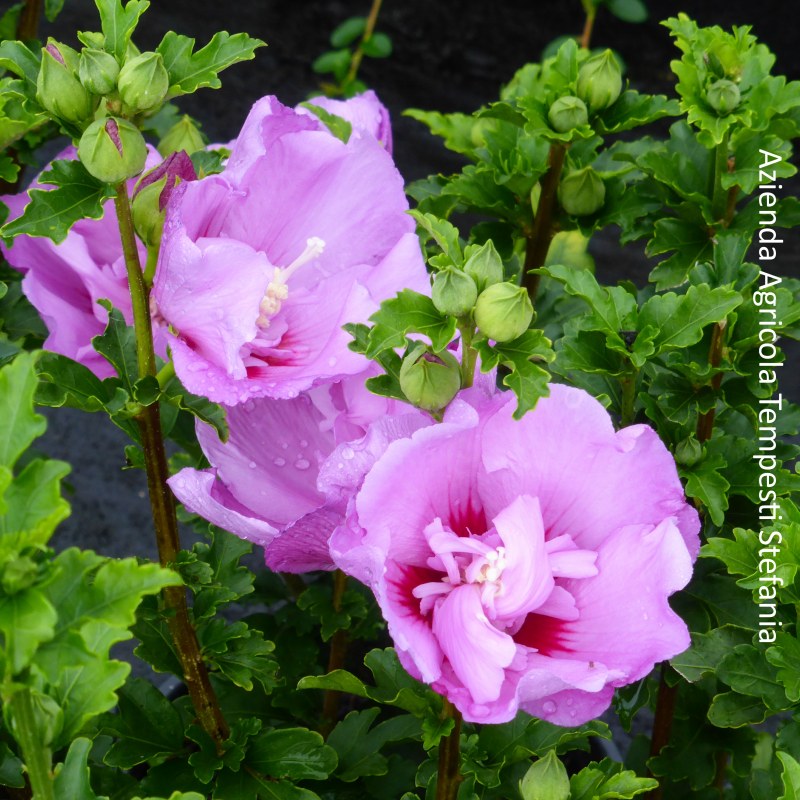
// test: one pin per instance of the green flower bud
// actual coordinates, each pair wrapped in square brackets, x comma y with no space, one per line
[503,312]
[723,96]
[567,113]
[582,192]
[454,292]
[98,71]
[58,89]
[546,779]
[600,81]
[143,82]
[183,135]
[430,380]
[688,452]
[112,150]
[484,265]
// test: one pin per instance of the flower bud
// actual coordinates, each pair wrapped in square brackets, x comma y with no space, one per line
[484,265]
[723,96]
[18,574]
[582,192]
[567,113]
[546,779]
[183,135]
[688,452]
[143,82]
[58,89]
[454,292]
[152,193]
[430,380]
[503,312]
[600,81]
[98,71]
[112,150]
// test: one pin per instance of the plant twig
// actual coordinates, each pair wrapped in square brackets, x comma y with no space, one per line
[542,231]
[336,657]
[450,757]
[162,502]
[705,422]
[588,26]
[28,23]
[662,724]
[369,29]
[38,758]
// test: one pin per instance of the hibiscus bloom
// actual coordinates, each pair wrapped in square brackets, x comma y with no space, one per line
[64,281]
[284,476]
[262,264]
[525,564]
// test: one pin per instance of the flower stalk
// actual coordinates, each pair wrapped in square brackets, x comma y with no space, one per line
[449,756]
[336,657]
[162,502]
[469,355]
[542,231]
[369,29]
[591,13]
[38,761]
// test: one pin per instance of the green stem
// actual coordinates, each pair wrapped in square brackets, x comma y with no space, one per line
[166,374]
[705,422]
[719,196]
[449,757]
[628,382]
[38,759]
[162,502]
[150,266]
[662,724]
[586,36]
[369,29]
[336,657]
[542,231]
[469,355]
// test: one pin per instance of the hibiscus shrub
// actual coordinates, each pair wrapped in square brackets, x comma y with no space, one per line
[497,500]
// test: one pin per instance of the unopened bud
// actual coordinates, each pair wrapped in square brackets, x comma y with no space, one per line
[152,193]
[688,452]
[98,71]
[430,380]
[112,150]
[454,292]
[546,779]
[723,96]
[18,574]
[567,113]
[58,89]
[503,312]
[600,81]
[183,135]
[582,192]
[143,82]
[484,264]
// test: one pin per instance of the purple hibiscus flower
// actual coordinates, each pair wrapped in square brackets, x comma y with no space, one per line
[284,477]
[525,564]
[262,264]
[64,281]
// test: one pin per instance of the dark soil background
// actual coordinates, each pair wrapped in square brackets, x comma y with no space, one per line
[448,56]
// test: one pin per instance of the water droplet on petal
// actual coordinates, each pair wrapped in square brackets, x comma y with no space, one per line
[302,463]
[284,445]
[303,443]
[549,707]
[347,453]
[279,462]
[332,361]
[252,465]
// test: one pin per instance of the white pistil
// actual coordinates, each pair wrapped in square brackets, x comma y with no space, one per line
[277,290]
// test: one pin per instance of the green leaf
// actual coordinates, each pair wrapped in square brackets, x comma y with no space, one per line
[785,655]
[64,382]
[22,60]
[408,312]
[336,62]
[747,672]
[229,580]
[189,71]
[733,710]
[707,650]
[212,414]
[146,726]
[118,23]
[790,777]
[27,620]
[240,653]
[10,768]
[338,126]
[705,483]
[632,109]
[608,781]
[52,8]
[348,31]
[444,233]
[52,212]
[379,45]
[293,753]
[455,129]
[117,344]
[680,319]
[628,10]
[19,424]
[527,379]
[34,505]
[72,780]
